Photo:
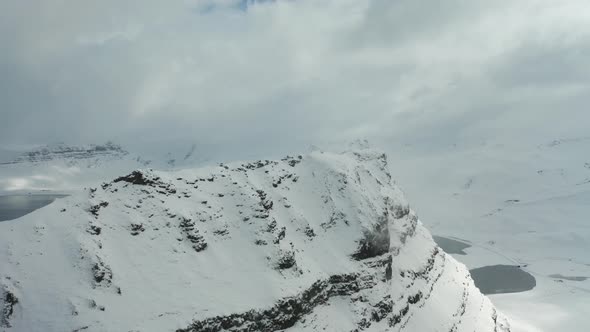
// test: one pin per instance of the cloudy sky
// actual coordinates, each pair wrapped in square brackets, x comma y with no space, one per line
[280,74]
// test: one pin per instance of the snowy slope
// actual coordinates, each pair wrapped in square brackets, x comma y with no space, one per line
[322,242]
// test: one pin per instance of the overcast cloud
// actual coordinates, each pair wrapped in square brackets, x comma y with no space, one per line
[282,74]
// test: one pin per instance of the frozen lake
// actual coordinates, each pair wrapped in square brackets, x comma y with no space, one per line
[500,279]
[16,206]
[451,246]
[494,279]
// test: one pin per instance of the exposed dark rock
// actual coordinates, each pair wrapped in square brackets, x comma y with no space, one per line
[192,234]
[288,311]
[266,205]
[143,179]
[292,161]
[362,325]
[280,235]
[400,211]
[9,301]
[388,270]
[94,230]
[397,318]
[415,298]
[280,179]
[221,232]
[95,208]
[427,269]
[309,232]
[256,165]
[382,309]
[102,274]
[136,229]
[344,284]
[334,219]
[136,177]
[272,225]
[286,260]
[375,242]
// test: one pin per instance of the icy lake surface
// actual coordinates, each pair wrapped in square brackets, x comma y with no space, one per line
[493,279]
[499,279]
[16,206]
[451,246]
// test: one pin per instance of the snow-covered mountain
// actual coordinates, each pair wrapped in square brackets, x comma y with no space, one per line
[71,154]
[322,242]
[65,167]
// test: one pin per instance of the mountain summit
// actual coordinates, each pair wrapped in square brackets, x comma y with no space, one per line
[321,242]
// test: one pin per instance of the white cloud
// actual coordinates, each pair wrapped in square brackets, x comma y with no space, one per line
[281,73]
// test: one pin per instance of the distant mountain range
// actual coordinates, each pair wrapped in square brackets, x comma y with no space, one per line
[69,152]
[70,167]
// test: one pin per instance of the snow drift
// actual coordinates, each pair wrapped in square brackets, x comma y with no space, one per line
[322,242]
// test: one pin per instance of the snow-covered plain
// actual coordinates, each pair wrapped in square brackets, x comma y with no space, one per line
[518,199]
[321,242]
